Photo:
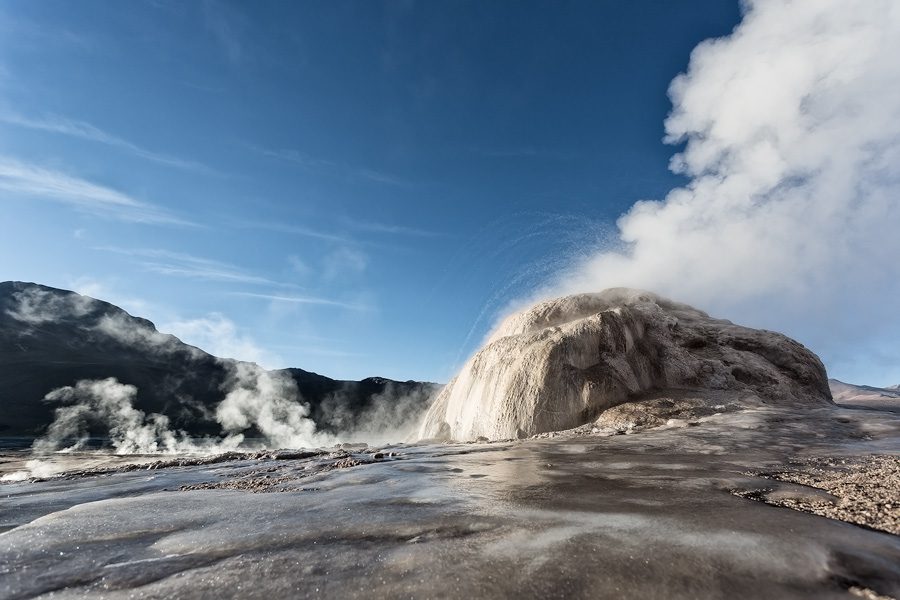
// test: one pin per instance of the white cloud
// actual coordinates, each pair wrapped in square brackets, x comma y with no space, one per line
[104,290]
[22,179]
[137,334]
[791,212]
[219,336]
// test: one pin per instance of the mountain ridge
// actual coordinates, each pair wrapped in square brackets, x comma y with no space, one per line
[842,391]
[51,338]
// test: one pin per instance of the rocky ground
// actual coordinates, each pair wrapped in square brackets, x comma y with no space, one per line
[864,490]
[620,511]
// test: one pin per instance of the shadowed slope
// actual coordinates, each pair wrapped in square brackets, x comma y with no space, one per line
[51,338]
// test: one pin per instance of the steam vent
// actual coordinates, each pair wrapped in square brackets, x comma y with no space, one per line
[563,362]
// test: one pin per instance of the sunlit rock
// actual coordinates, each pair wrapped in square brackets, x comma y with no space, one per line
[561,363]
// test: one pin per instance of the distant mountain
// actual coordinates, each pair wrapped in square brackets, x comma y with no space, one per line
[848,392]
[50,338]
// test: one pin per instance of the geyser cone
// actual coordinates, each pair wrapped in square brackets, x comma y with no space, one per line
[562,362]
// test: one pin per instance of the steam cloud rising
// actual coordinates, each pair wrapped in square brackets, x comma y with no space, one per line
[789,219]
[106,400]
[255,398]
[791,215]
[266,403]
[269,402]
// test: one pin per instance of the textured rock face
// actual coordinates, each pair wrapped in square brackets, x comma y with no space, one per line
[561,363]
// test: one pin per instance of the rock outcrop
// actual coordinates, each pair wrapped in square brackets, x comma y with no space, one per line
[561,363]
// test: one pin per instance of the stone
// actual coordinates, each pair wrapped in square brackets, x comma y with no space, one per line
[563,362]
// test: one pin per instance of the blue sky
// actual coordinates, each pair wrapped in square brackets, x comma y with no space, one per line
[354,188]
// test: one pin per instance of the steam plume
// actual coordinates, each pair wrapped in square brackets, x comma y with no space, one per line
[269,402]
[790,215]
[111,403]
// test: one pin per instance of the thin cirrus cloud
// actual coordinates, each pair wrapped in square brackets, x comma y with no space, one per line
[294,230]
[315,350]
[176,264]
[337,238]
[390,229]
[382,177]
[28,180]
[296,157]
[86,131]
[304,300]
[314,164]
[226,28]
[520,152]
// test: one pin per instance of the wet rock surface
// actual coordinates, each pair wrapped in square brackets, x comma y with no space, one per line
[584,514]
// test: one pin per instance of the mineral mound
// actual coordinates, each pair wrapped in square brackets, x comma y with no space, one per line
[563,362]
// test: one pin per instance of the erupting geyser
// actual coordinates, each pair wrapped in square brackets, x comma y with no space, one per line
[563,362]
